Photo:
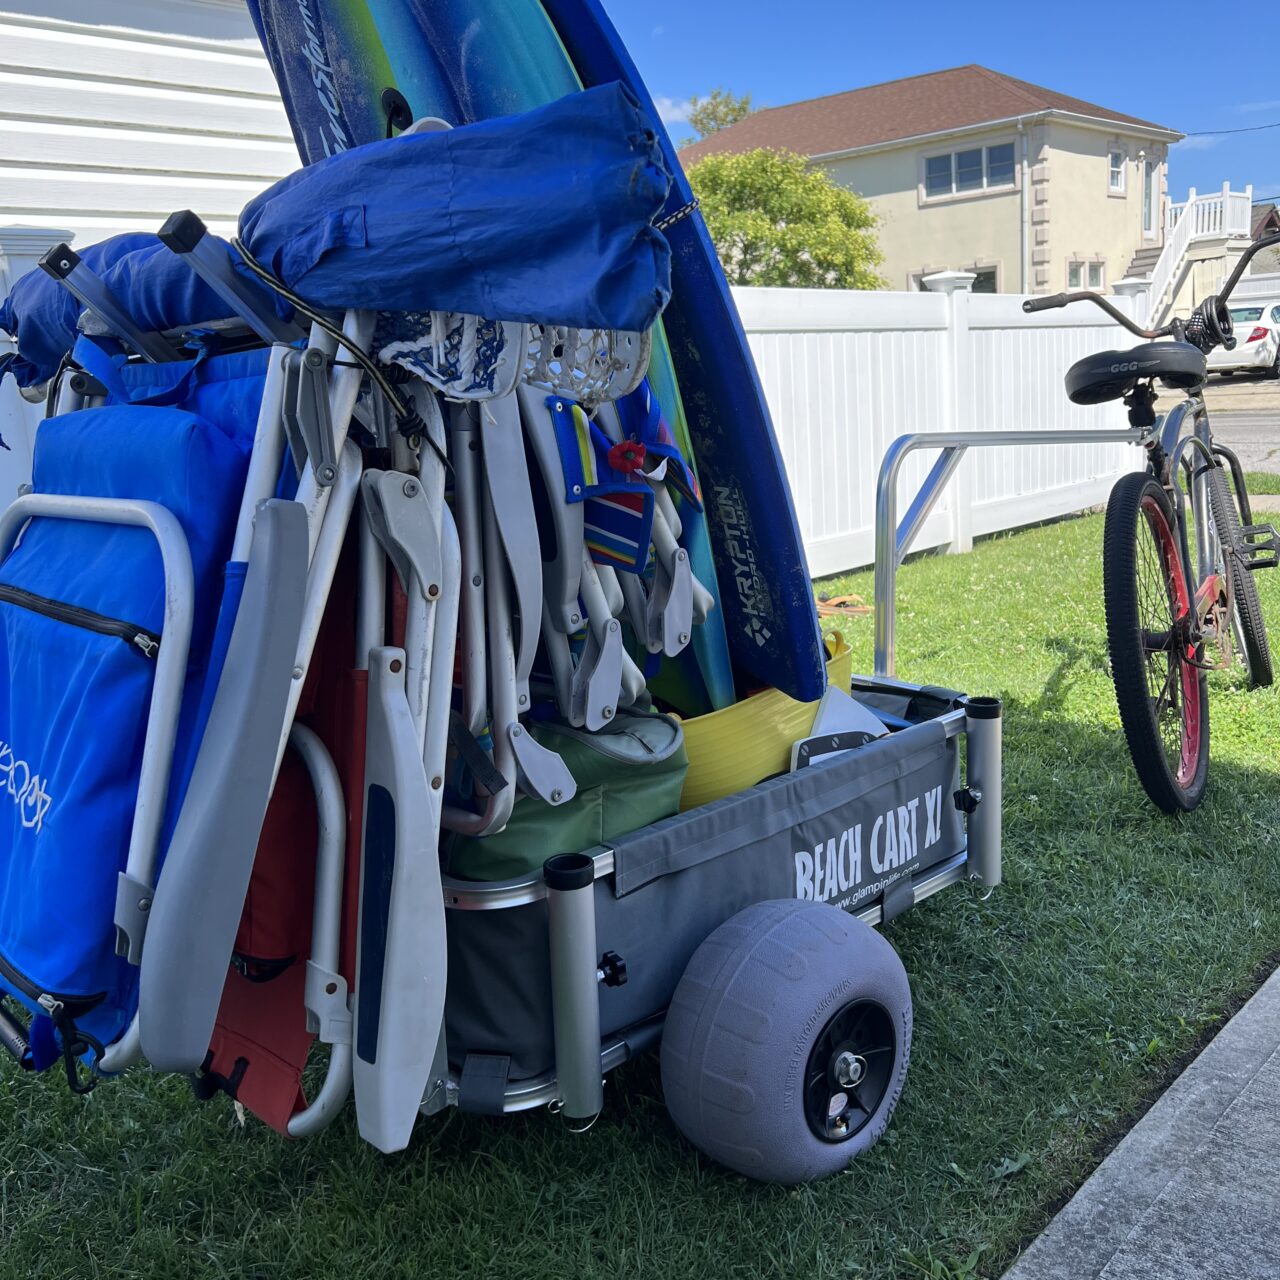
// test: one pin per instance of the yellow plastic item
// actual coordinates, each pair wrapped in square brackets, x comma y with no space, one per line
[736,747]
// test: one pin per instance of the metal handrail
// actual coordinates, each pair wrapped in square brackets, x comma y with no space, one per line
[894,540]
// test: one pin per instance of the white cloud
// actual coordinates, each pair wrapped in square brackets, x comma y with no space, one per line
[658,31]
[673,110]
[1272,105]
[1201,143]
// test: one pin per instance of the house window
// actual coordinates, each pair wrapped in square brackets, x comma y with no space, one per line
[969,170]
[1000,165]
[937,176]
[1086,275]
[975,169]
[1149,197]
[984,280]
[1115,171]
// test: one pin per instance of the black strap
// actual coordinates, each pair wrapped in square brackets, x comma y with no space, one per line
[75,1043]
[482,1089]
[474,756]
[207,1084]
[252,969]
[898,898]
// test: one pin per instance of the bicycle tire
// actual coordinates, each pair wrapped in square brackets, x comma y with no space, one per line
[1148,604]
[1252,627]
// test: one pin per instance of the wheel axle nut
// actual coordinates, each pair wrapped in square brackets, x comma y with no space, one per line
[849,1069]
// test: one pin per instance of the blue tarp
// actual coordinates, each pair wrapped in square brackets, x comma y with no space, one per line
[544,217]
[40,314]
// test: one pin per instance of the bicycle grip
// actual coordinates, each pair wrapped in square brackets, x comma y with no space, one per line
[1045,304]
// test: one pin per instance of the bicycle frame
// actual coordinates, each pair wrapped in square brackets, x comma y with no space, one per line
[1172,442]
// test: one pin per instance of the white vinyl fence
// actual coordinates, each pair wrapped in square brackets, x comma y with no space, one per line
[846,372]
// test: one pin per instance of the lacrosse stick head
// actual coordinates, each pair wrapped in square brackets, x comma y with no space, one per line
[470,358]
[588,366]
[466,357]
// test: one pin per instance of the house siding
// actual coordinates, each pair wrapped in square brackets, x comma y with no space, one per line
[108,128]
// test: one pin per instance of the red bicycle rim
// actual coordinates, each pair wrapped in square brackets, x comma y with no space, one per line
[1189,673]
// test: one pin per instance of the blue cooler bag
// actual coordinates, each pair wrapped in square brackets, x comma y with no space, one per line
[81,616]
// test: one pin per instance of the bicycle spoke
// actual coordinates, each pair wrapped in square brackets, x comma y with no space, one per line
[1162,623]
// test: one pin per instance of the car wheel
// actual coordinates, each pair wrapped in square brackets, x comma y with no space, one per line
[1274,370]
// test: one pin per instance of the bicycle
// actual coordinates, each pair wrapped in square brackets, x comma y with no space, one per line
[1164,637]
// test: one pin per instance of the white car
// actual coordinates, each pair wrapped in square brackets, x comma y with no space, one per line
[1257,330]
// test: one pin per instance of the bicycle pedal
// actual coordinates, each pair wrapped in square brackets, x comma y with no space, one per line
[1260,546]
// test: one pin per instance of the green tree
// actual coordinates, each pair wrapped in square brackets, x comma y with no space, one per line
[777,221]
[718,110]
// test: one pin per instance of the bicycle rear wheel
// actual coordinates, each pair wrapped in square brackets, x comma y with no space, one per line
[1247,621]
[1161,693]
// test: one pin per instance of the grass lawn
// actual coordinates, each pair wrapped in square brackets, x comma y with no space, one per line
[1262,481]
[1044,1018]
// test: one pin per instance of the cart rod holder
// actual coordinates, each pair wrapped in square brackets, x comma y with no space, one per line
[575,997]
[894,540]
[985,785]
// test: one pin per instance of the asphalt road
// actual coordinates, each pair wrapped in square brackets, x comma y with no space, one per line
[1245,412]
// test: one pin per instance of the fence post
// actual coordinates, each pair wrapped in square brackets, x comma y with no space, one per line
[958,286]
[1140,291]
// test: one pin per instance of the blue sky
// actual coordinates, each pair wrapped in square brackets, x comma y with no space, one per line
[1169,62]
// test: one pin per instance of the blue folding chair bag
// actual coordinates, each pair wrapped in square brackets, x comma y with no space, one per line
[74,692]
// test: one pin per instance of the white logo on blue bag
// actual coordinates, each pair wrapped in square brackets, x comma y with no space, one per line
[26,788]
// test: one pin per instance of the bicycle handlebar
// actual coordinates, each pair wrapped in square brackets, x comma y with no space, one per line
[1256,247]
[1054,300]
[1047,303]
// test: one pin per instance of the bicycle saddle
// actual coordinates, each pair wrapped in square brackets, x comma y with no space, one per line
[1109,375]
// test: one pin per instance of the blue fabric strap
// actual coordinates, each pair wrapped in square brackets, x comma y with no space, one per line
[98,363]
[166,384]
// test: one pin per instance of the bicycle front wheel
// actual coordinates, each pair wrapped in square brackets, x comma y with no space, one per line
[1246,608]
[1161,692]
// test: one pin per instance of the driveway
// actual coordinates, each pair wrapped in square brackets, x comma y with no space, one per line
[1245,411]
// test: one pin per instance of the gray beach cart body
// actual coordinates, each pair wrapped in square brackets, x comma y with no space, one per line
[556,979]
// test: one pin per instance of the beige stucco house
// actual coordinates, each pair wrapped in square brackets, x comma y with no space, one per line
[969,169]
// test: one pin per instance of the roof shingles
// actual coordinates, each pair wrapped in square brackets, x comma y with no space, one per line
[899,109]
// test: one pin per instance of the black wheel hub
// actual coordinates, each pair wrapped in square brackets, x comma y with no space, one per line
[849,1070]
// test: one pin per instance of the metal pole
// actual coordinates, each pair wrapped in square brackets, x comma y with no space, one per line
[326,992]
[892,542]
[985,783]
[575,997]
[268,448]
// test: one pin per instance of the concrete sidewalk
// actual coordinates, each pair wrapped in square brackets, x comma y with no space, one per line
[1193,1191]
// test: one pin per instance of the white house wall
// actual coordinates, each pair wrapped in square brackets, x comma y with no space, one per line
[1080,218]
[917,236]
[113,115]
